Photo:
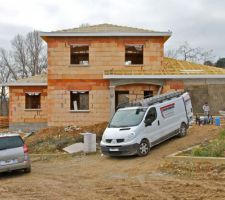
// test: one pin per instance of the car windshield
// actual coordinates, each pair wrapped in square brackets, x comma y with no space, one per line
[127,118]
[10,142]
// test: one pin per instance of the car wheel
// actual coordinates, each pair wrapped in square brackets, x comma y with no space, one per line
[182,130]
[27,170]
[143,148]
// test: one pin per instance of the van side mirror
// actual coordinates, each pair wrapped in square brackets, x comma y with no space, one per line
[148,122]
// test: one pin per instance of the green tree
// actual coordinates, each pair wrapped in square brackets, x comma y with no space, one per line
[208,62]
[220,63]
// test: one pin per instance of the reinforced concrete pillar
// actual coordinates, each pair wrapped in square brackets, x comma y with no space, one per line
[112,99]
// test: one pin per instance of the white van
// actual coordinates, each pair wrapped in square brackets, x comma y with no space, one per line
[134,130]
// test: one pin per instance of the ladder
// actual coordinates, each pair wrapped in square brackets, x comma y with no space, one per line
[151,100]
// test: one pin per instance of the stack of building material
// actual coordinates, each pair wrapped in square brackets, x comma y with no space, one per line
[89,145]
[4,121]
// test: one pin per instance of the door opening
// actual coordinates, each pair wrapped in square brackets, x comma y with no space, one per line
[121,97]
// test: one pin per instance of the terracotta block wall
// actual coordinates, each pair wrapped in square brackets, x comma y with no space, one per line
[17,111]
[136,91]
[172,85]
[104,53]
[59,113]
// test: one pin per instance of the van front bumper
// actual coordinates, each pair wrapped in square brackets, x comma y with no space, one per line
[125,150]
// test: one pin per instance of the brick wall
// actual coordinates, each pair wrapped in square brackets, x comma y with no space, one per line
[59,113]
[104,53]
[136,91]
[19,117]
[172,85]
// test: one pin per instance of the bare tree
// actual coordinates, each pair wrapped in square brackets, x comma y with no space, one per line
[7,71]
[171,53]
[4,77]
[28,57]
[192,54]
[29,54]
[7,61]
[20,54]
[37,59]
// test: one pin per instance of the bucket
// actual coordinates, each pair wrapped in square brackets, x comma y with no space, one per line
[217,121]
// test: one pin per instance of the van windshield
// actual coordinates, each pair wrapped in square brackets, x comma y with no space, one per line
[127,118]
[10,142]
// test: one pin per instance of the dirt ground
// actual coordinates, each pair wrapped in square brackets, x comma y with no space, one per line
[100,177]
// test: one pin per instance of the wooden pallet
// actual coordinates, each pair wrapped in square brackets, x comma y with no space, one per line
[4,121]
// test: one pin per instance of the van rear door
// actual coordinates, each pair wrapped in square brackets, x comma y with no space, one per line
[188,105]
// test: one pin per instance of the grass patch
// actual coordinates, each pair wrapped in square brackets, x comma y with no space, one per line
[215,148]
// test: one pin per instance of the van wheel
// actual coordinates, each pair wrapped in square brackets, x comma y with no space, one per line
[143,148]
[182,130]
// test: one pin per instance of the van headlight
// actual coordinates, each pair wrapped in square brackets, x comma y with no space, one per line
[131,136]
[103,138]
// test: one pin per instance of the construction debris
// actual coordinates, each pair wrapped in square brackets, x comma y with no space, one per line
[28,134]
[88,146]
[74,148]
[71,128]
[54,139]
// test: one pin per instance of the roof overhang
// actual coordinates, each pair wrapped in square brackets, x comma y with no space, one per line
[24,84]
[215,76]
[103,34]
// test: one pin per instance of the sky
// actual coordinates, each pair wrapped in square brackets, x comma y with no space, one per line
[199,22]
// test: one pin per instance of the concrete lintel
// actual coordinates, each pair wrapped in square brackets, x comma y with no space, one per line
[214,76]
[118,82]
[204,81]
[112,100]
[24,84]
[103,34]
